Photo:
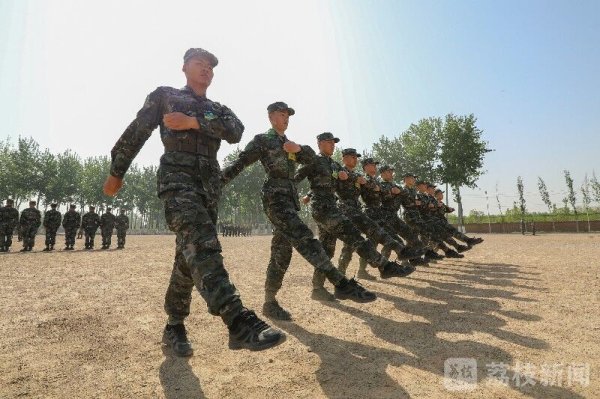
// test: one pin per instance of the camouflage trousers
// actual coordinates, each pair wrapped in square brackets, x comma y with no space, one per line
[50,236]
[121,234]
[90,235]
[394,225]
[6,234]
[291,232]
[106,236]
[425,227]
[372,230]
[198,260]
[28,234]
[333,225]
[70,233]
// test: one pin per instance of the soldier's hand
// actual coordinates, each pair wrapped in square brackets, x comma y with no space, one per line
[361,180]
[395,190]
[343,175]
[305,199]
[112,185]
[377,188]
[290,146]
[431,205]
[180,121]
[417,202]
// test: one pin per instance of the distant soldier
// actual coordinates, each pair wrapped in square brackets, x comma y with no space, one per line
[9,219]
[52,220]
[90,223]
[71,222]
[107,224]
[30,221]
[121,224]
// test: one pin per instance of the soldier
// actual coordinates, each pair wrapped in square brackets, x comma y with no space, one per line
[107,224]
[191,129]
[324,174]
[279,157]
[441,212]
[71,222]
[9,219]
[122,224]
[52,220]
[90,223]
[30,221]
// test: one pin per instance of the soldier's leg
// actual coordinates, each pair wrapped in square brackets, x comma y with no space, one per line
[92,237]
[187,215]
[345,258]
[48,240]
[179,292]
[109,238]
[281,255]
[328,241]
[87,239]
[406,232]
[3,247]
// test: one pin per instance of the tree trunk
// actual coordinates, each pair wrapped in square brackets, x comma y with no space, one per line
[461,223]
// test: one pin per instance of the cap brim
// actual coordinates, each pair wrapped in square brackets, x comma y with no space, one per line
[291,111]
[336,140]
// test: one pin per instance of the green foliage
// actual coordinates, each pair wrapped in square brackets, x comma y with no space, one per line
[522,206]
[544,193]
[571,199]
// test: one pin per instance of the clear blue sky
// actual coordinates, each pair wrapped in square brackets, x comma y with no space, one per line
[73,74]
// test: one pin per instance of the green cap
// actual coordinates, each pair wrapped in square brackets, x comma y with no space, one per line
[199,52]
[327,136]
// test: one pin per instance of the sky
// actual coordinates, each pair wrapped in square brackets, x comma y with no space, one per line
[73,74]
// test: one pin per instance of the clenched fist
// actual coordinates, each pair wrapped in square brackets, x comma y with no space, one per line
[112,185]
[343,175]
[291,147]
[395,190]
[180,121]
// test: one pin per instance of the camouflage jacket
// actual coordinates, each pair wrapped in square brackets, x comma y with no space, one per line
[322,173]
[122,222]
[30,217]
[348,191]
[71,220]
[52,219]
[9,217]
[369,193]
[190,158]
[390,202]
[442,209]
[428,204]
[409,198]
[279,165]
[90,221]
[107,221]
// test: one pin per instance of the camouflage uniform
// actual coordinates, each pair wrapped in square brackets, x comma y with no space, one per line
[30,221]
[280,203]
[390,206]
[121,224]
[9,219]
[348,192]
[440,214]
[333,224]
[189,186]
[90,223]
[370,194]
[71,222]
[107,225]
[52,220]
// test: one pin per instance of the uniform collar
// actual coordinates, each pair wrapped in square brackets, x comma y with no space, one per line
[188,89]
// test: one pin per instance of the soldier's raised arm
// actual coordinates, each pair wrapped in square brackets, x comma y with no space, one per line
[247,157]
[224,126]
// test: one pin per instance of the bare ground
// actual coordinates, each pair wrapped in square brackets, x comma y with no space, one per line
[86,325]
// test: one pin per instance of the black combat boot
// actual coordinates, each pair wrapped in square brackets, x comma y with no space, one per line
[249,332]
[393,269]
[431,254]
[274,310]
[450,253]
[410,253]
[176,337]
[2,249]
[321,294]
[46,249]
[463,248]
[351,289]
[24,249]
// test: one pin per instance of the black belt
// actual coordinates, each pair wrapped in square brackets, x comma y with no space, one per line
[188,144]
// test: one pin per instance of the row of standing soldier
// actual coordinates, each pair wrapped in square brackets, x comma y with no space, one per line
[30,220]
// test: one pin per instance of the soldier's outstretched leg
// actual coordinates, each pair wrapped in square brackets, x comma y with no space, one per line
[319,292]
[345,258]
[281,255]
[198,258]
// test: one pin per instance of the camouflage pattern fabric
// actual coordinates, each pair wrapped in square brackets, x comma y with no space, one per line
[71,222]
[90,223]
[29,222]
[107,225]
[121,224]
[9,219]
[188,184]
[390,206]
[323,174]
[52,219]
[280,203]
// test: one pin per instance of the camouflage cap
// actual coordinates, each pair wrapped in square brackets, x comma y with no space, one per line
[10,201]
[108,208]
[92,207]
[368,161]
[351,151]
[72,206]
[201,53]
[327,136]
[53,205]
[419,182]
[409,174]
[384,168]
[439,191]
[32,203]
[280,106]
[431,185]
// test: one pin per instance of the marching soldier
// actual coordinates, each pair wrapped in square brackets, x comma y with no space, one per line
[71,222]
[52,220]
[107,225]
[121,224]
[90,223]
[29,222]
[9,220]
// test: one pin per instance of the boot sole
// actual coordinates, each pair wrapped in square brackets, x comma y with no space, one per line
[168,343]
[236,345]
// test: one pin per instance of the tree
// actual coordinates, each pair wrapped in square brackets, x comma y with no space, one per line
[25,169]
[595,187]
[522,207]
[585,192]
[571,196]
[461,155]
[546,198]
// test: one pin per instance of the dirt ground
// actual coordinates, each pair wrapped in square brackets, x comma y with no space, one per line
[524,309]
